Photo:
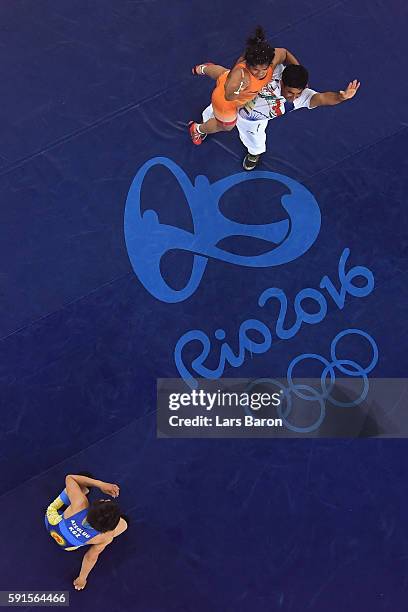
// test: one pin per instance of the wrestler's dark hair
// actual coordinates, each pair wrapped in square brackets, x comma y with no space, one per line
[258,51]
[103,515]
[295,76]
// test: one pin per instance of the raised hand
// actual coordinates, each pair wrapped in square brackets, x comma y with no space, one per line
[110,489]
[350,90]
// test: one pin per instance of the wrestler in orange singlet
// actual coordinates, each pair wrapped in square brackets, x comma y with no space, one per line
[238,86]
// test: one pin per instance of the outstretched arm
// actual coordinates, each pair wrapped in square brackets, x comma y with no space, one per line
[88,562]
[92,555]
[330,98]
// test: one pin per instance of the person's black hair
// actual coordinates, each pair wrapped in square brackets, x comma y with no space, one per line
[103,515]
[258,51]
[295,76]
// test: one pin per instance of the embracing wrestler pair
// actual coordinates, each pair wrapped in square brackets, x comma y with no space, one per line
[264,84]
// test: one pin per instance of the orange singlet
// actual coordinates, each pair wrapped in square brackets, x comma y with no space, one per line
[226,110]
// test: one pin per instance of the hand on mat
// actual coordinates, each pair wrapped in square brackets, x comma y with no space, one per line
[351,90]
[79,583]
[110,489]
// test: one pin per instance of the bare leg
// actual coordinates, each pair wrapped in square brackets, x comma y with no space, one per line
[212,126]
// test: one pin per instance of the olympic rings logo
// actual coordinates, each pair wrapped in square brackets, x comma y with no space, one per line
[348,367]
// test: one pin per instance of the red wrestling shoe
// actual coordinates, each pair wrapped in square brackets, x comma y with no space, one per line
[199,69]
[196,136]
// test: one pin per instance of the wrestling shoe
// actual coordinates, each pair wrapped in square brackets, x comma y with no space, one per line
[196,136]
[199,69]
[250,161]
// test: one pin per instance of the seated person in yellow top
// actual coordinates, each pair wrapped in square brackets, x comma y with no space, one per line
[82,523]
[238,86]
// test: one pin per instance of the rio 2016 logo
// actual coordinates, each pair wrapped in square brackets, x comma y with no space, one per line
[147,240]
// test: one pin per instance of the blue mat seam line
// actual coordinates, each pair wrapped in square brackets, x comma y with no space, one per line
[366,147]
[133,105]
[267,165]
[141,417]
[49,314]
[358,151]
[83,450]
[307,17]
[348,304]
[72,135]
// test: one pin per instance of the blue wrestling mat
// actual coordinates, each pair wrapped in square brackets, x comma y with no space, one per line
[130,255]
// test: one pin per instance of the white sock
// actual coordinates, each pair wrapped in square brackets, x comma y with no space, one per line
[198,129]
